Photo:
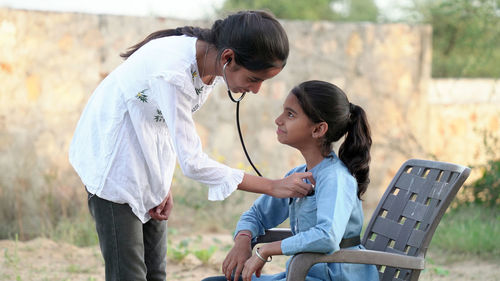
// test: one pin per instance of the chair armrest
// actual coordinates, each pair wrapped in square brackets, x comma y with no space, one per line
[273,234]
[301,263]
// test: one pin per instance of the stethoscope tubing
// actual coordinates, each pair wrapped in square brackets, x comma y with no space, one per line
[241,137]
[237,101]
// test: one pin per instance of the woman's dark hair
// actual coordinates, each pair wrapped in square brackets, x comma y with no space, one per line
[325,102]
[256,37]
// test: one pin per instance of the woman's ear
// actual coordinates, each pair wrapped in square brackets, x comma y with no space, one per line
[320,130]
[226,56]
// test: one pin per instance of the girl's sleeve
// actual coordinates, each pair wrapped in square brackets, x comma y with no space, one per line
[334,206]
[175,105]
[266,212]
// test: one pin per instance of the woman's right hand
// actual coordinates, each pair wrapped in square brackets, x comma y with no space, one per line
[293,186]
[236,258]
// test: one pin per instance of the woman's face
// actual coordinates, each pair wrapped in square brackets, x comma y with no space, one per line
[294,126]
[242,80]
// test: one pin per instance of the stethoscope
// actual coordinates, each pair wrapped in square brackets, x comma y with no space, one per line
[237,101]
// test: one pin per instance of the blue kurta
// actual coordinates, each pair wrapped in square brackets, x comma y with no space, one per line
[318,222]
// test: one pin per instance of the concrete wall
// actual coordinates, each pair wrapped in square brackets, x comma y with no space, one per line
[51,62]
[465,116]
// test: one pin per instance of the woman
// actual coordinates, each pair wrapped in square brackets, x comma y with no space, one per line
[138,122]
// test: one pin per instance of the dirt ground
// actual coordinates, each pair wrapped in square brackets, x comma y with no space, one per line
[45,260]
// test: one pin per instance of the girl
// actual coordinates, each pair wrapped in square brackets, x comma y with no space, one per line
[315,114]
[138,122]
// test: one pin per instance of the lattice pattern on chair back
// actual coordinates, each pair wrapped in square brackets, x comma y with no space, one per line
[410,210]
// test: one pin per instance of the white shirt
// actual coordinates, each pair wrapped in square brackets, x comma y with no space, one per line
[138,120]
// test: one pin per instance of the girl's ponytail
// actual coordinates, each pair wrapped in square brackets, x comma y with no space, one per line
[355,150]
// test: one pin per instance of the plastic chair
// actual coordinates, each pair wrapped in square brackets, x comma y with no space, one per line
[402,225]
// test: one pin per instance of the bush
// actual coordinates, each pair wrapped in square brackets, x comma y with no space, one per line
[486,189]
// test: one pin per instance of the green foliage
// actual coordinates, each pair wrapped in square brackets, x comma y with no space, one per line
[469,229]
[436,269]
[178,252]
[187,246]
[12,258]
[361,10]
[336,10]
[466,37]
[77,269]
[441,271]
[204,255]
[486,189]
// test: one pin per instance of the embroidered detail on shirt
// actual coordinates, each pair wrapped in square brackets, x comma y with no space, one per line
[141,96]
[193,74]
[159,116]
[198,90]
[196,107]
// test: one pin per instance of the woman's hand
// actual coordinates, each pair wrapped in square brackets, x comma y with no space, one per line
[293,186]
[239,254]
[162,211]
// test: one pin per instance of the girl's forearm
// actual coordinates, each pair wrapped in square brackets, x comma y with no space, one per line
[270,249]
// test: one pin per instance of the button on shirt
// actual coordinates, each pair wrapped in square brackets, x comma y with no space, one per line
[139,121]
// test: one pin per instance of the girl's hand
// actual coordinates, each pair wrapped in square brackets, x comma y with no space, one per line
[252,265]
[293,186]
[236,258]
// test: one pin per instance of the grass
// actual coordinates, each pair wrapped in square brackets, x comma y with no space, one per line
[177,252]
[469,229]
[79,230]
[77,269]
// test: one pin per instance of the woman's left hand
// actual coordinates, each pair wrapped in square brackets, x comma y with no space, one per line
[252,265]
[162,211]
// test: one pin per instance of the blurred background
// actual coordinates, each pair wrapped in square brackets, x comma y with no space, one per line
[427,73]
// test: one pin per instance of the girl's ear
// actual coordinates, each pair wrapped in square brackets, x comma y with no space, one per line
[320,130]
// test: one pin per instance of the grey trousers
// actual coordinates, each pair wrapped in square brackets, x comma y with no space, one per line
[132,251]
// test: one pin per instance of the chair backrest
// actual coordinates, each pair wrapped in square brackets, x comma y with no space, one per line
[410,210]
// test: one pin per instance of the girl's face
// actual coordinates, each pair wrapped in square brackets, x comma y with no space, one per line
[242,80]
[294,126]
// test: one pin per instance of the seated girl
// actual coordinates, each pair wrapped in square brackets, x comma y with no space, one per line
[315,115]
